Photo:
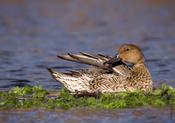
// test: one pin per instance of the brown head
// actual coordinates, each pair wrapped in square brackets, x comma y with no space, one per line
[130,54]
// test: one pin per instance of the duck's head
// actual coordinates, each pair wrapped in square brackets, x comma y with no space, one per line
[129,54]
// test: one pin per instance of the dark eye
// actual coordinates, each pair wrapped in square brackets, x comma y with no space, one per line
[127,49]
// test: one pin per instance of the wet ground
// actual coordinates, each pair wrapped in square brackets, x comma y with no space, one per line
[33,32]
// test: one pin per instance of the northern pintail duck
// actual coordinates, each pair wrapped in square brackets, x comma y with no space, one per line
[126,71]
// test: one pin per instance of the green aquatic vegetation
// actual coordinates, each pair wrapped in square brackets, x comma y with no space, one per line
[37,97]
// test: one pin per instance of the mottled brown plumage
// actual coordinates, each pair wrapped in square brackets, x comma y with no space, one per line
[123,72]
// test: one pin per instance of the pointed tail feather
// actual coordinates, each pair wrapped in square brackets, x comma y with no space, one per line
[72,83]
[61,76]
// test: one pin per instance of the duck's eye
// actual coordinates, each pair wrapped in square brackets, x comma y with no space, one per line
[127,49]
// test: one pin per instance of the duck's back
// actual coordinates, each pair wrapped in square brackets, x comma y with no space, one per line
[137,78]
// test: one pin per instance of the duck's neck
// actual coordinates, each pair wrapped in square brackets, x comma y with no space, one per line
[138,65]
[142,77]
[141,68]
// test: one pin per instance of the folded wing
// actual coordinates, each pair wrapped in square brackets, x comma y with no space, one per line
[98,60]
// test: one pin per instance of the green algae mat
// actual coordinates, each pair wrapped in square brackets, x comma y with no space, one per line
[37,97]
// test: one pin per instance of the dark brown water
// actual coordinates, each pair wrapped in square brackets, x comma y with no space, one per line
[33,32]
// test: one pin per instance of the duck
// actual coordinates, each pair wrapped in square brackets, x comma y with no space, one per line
[124,72]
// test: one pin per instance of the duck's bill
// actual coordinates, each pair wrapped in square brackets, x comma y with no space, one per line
[128,64]
[114,59]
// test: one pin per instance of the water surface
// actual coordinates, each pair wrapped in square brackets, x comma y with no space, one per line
[142,115]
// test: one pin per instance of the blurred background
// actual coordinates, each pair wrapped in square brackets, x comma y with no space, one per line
[33,32]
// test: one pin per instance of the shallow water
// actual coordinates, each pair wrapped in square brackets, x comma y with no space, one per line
[33,32]
[144,115]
